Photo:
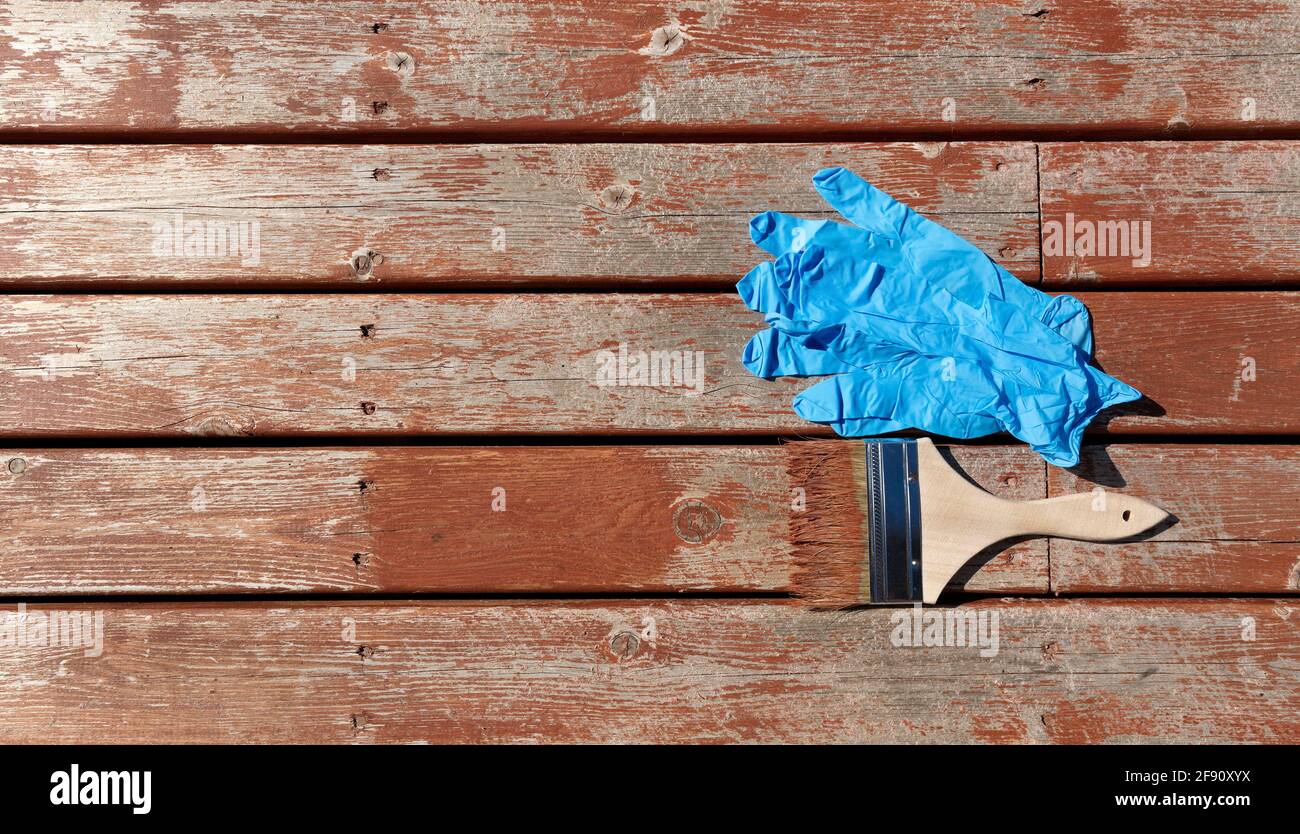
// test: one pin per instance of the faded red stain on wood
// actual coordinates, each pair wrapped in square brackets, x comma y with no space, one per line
[416,520]
[638,67]
[1208,362]
[619,519]
[508,216]
[278,365]
[660,671]
[1189,213]
[1237,510]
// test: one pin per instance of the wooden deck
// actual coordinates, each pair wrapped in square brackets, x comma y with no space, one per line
[355,481]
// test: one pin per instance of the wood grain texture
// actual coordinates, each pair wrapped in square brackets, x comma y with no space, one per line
[1216,212]
[630,67]
[1238,530]
[668,671]
[109,216]
[630,519]
[364,365]
[279,365]
[1207,362]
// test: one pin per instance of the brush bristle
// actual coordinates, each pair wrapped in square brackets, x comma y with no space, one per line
[830,534]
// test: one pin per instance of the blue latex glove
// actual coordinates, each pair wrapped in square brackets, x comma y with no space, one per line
[922,357]
[906,244]
[831,287]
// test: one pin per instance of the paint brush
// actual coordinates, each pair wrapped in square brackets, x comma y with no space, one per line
[891,521]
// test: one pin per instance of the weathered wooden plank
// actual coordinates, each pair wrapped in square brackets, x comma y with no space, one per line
[467,364]
[1170,212]
[1238,511]
[503,519]
[428,216]
[668,671]
[352,364]
[1208,362]
[639,67]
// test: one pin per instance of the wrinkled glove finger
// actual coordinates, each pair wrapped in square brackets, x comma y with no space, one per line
[825,286]
[778,233]
[1068,316]
[780,286]
[761,289]
[902,394]
[771,353]
[854,347]
[861,203]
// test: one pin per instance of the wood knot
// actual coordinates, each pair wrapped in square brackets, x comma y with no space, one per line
[382,174]
[17,466]
[931,150]
[696,522]
[665,40]
[222,425]
[367,407]
[623,645]
[617,198]
[1034,83]
[400,63]
[379,107]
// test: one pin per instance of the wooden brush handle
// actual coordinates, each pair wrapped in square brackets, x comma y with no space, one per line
[1097,516]
[959,519]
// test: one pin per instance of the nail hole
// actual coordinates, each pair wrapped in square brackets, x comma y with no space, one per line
[1127,514]
[379,107]
[367,331]
[379,27]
